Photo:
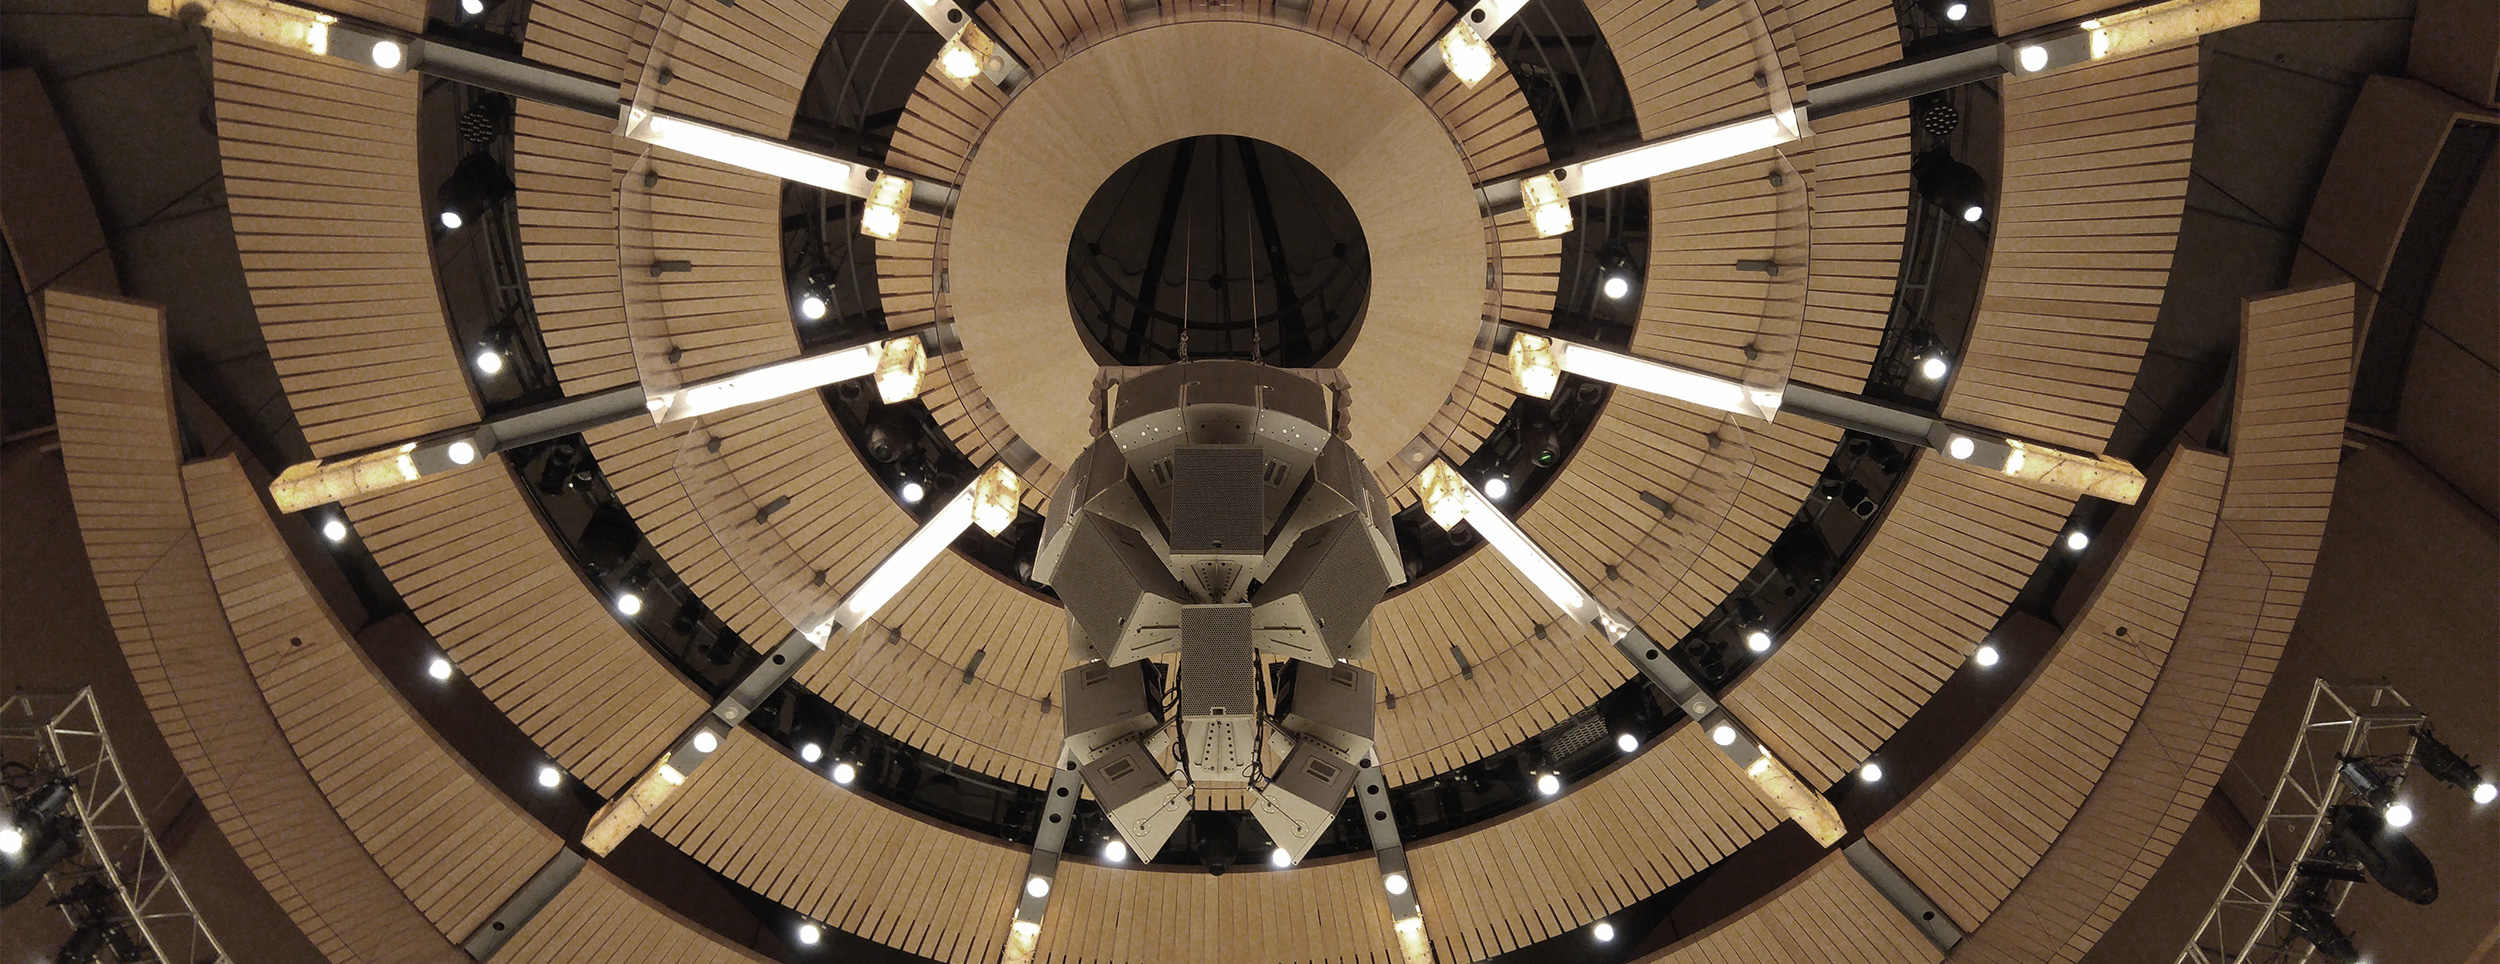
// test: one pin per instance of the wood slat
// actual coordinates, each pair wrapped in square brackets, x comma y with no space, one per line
[321,177]
[113,396]
[1970,835]
[454,845]
[1830,915]
[2096,167]
[596,919]
[2295,345]
[477,567]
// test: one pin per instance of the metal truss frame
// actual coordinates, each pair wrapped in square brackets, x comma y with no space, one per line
[65,733]
[2247,923]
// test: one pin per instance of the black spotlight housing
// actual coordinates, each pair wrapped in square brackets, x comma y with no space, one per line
[1950,184]
[51,835]
[475,187]
[2390,857]
[2443,762]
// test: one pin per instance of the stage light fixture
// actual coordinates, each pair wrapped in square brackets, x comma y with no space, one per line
[12,840]
[844,773]
[1617,285]
[811,753]
[705,741]
[629,603]
[334,529]
[1872,772]
[913,492]
[1548,784]
[474,8]
[1496,488]
[1934,367]
[2399,814]
[438,668]
[882,217]
[1960,448]
[1604,932]
[2446,765]
[2485,793]
[1037,887]
[812,306]
[1115,852]
[1723,735]
[811,932]
[1986,655]
[461,452]
[2078,540]
[475,186]
[1955,11]
[1627,742]
[1396,883]
[1758,641]
[489,361]
[1548,211]
[1949,184]
[1280,858]
[550,777]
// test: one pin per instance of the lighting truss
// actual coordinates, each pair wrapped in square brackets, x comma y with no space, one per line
[66,734]
[2248,921]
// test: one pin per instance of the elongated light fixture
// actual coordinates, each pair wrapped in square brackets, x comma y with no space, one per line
[2163,24]
[966,55]
[897,363]
[2103,477]
[1504,536]
[292,27]
[746,151]
[634,807]
[1682,152]
[1413,945]
[1780,786]
[974,502]
[318,482]
[1537,362]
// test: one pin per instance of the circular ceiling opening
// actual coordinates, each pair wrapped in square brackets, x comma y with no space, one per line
[1233,243]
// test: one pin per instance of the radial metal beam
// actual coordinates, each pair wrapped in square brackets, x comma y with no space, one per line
[1450,497]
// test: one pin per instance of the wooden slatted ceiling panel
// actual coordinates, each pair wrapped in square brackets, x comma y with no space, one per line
[1836,38]
[476,566]
[1698,309]
[587,37]
[1829,916]
[1926,586]
[112,396]
[2096,166]
[597,920]
[565,168]
[1591,518]
[1323,911]
[1688,67]
[1658,818]
[903,672]
[408,15]
[2293,387]
[321,176]
[788,833]
[2295,383]
[2018,15]
[740,65]
[455,846]
[1859,172]
[1969,836]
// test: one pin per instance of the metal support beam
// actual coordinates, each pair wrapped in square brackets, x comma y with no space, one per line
[525,903]
[1050,840]
[514,76]
[1904,896]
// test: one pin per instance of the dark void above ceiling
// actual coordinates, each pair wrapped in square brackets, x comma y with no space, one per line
[1236,244]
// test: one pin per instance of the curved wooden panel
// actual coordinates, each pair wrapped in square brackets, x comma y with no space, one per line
[565,170]
[1321,912]
[1836,38]
[788,833]
[735,64]
[1935,576]
[1858,166]
[1829,916]
[452,844]
[470,557]
[2096,167]
[321,176]
[1690,66]
[1969,836]
[1659,817]
[597,920]
[120,449]
[2286,441]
